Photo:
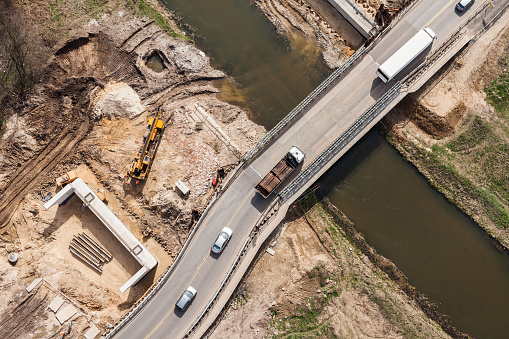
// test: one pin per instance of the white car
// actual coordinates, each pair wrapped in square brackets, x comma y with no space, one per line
[186,298]
[222,240]
[464,4]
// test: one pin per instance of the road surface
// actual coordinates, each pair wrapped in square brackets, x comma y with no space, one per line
[240,206]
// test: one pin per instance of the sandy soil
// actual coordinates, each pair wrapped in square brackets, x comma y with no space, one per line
[89,114]
[318,284]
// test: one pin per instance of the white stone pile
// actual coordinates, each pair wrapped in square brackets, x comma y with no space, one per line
[198,160]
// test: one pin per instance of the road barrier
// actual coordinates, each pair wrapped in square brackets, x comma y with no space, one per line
[346,137]
[166,275]
[271,211]
[295,113]
[449,43]
[267,215]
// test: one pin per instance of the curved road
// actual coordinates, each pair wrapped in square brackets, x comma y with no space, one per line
[240,206]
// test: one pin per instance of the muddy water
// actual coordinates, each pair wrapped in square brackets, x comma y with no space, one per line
[270,78]
[155,63]
[442,252]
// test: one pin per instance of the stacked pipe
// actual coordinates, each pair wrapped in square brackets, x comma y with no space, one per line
[85,248]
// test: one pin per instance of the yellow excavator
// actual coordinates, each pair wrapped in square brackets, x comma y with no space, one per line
[140,165]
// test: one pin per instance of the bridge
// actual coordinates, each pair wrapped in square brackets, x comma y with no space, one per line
[324,126]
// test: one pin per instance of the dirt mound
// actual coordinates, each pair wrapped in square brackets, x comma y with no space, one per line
[291,18]
[433,124]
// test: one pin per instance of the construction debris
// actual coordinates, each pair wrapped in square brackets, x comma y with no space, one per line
[13,258]
[56,303]
[66,313]
[33,285]
[66,178]
[182,187]
[91,333]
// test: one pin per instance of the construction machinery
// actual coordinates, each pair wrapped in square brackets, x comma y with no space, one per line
[66,178]
[280,172]
[140,165]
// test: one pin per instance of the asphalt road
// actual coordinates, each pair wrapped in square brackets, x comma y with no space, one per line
[240,206]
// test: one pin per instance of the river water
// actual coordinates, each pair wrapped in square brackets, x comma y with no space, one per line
[442,252]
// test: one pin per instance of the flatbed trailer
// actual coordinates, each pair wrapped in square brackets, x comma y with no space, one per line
[280,172]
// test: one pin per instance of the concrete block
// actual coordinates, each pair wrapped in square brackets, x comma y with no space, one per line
[270,251]
[91,333]
[33,284]
[66,313]
[56,303]
[182,187]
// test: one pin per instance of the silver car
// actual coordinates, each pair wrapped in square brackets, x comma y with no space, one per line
[186,298]
[222,240]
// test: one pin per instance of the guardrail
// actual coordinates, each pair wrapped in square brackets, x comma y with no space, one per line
[393,22]
[269,212]
[166,275]
[446,45]
[285,122]
[290,117]
[362,14]
[347,136]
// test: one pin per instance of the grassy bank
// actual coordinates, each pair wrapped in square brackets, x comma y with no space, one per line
[470,167]
[362,273]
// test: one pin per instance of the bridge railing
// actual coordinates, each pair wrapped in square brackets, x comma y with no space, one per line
[266,216]
[344,139]
[362,14]
[166,275]
[295,113]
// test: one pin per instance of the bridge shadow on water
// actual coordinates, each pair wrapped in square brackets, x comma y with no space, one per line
[444,254]
[348,163]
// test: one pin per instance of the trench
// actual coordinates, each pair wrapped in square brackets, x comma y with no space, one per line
[442,252]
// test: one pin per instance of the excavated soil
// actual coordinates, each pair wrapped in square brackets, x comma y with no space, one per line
[88,113]
[321,23]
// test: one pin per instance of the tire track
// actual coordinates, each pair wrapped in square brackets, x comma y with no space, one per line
[55,152]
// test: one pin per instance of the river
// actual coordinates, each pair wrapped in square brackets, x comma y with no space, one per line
[442,252]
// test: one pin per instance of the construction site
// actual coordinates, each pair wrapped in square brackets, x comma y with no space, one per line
[108,163]
[105,171]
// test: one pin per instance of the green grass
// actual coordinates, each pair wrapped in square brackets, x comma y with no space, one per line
[55,13]
[304,323]
[478,131]
[497,94]
[145,9]
[446,176]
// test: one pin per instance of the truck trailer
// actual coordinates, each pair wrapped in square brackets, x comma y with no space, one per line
[280,172]
[406,54]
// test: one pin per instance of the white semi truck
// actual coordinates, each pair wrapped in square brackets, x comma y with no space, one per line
[406,54]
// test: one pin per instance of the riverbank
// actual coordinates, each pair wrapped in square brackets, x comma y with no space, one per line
[88,112]
[325,281]
[453,134]
[447,123]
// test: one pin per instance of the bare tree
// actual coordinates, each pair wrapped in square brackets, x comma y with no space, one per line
[20,53]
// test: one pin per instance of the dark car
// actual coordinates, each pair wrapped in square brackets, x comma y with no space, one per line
[464,4]
[222,240]
[186,298]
